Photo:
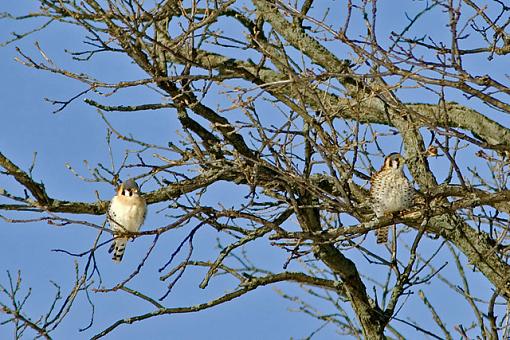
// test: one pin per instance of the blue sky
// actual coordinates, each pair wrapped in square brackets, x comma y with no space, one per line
[77,134]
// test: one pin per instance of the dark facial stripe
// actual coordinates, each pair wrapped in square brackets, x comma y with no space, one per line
[397,162]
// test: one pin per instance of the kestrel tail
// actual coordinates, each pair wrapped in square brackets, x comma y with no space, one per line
[391,191]
[381,234]
[126,213]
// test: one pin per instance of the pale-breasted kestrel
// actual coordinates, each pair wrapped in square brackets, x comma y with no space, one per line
[391,191]
[126,214]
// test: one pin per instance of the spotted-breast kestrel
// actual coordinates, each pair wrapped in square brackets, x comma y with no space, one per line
[391,191]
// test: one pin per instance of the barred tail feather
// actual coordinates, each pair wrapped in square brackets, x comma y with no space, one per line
[117,248]
[382,234]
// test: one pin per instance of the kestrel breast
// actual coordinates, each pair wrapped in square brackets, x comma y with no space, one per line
[391,192]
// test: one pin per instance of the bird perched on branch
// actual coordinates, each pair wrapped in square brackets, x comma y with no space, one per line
[126,213]
[391,191]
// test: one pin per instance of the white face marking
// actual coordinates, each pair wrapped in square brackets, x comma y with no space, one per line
[395,163]
[129,192]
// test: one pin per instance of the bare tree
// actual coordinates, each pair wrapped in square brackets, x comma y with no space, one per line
[313,95]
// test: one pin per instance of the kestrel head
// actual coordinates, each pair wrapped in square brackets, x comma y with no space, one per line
[394,161]
[128,188]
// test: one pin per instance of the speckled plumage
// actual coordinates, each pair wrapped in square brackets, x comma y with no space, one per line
[126,213]
[391,191]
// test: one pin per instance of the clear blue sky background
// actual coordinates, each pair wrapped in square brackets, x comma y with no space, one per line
[78,134]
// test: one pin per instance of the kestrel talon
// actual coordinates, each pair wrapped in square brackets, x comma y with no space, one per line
[391,191]
[126,213]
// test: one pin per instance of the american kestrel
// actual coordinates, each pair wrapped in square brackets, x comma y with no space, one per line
[126,214]
[391,191]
